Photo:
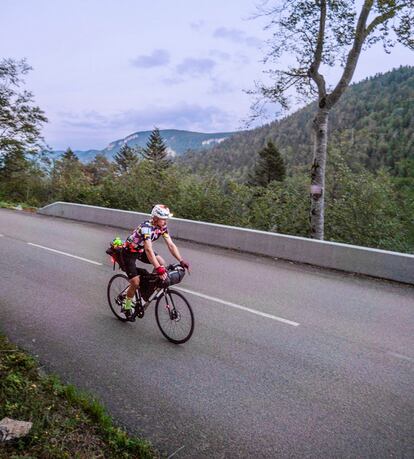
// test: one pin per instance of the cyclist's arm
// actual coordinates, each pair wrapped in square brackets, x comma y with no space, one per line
[172,247]
[150,253]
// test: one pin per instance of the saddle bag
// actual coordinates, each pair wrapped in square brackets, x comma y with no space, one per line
[115,251]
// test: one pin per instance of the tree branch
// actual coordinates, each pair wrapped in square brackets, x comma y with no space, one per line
[321,35]
[384,17]
[353,55]
[313,71]
[297,74]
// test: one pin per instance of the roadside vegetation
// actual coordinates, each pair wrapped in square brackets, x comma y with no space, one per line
[258,179]
[67,424]
[363,208]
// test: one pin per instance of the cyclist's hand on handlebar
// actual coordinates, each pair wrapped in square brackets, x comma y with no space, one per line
[185,265]
[162,272]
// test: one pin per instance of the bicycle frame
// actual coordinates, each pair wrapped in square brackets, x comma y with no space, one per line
[141,307]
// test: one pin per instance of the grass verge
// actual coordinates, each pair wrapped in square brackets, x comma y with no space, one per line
[67,423]
[19,206]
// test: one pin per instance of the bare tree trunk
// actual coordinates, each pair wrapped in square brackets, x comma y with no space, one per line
[320,140]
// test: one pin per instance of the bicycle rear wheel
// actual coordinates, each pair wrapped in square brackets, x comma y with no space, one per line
[117,288]
[174,317]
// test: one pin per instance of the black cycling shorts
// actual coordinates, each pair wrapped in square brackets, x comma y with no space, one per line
[130,259]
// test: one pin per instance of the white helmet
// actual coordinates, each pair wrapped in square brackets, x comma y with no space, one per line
[161,211]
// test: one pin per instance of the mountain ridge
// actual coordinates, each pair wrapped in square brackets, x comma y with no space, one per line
[178,141]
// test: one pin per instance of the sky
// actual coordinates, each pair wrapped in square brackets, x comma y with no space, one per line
[103,69]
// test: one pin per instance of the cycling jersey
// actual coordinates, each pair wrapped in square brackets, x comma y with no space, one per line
[145,231]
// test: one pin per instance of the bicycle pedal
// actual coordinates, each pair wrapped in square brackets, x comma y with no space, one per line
[127,312]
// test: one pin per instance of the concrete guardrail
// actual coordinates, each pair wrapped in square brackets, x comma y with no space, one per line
[377,263]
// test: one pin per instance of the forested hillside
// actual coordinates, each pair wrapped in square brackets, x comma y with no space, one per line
[373,125]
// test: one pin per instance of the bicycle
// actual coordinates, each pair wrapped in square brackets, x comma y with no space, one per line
[173,312]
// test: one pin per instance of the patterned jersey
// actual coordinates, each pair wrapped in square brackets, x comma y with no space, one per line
[145,231]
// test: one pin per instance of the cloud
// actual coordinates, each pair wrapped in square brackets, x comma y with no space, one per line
[237,36]
[198,25]
[181,116]
[158,58]
[241,58]
[220,86]
[172,81]
[190,67]
[238,57]
[220,54]
[195,67]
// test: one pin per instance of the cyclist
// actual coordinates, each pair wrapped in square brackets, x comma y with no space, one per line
[138,246]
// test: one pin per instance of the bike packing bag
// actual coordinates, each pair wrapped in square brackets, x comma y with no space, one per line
[116,253]
[147,286]
[176,275]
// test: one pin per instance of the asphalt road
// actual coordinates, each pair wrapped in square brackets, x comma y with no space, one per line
[336,382]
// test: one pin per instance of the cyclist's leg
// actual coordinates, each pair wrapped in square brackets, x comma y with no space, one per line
[133,285]
[143,257]
[133,276]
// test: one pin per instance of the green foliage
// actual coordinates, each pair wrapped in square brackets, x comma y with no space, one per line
[282,207]
[126,159]
[270,166]
[22,179]
[69,180]
[98,169]
[364,209]
[203,199]
[20,120]
[20,140]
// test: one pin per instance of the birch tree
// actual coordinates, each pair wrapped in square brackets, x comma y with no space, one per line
[318,34]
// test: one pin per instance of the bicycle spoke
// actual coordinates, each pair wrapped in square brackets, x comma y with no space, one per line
[117,289]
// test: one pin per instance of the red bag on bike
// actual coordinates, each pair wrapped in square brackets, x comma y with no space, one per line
[115,251]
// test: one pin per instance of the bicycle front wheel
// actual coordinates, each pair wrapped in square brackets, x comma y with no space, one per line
[117,288]
[174,317]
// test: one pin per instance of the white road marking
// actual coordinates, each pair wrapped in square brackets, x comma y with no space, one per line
[237,306]
[400,356]
[175,452]
[1,235]
[64,253]
[201,295]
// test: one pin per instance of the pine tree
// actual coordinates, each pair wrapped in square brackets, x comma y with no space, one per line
[98,169]
[156,150]
[270,166]
[69,156]
[126,159]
